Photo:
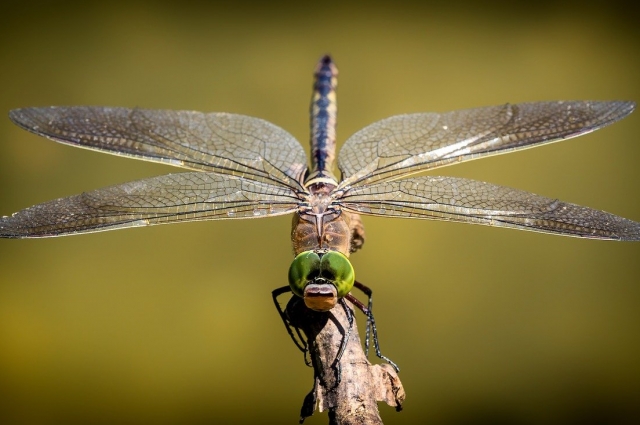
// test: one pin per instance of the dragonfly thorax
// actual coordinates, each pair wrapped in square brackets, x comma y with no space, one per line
[319,224]
[319,203]
[321,181]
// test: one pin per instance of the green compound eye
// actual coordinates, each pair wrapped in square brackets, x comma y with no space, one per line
[333,267]
[336,268]
[305,267]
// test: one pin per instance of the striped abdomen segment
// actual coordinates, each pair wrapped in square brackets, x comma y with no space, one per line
[323,118]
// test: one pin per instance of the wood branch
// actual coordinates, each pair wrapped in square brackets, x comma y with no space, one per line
[351,388]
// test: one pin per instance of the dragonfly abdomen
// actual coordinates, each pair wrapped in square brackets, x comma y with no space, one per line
[323,118]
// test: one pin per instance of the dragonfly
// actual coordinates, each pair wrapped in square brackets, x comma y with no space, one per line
[243,167]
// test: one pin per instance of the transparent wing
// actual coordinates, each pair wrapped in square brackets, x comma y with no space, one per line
[220,142]
[405,144]
[470,201]
[166,199]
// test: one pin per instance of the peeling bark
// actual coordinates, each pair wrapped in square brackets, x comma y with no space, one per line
[351,388]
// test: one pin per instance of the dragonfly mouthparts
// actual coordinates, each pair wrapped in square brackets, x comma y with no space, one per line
[320,295]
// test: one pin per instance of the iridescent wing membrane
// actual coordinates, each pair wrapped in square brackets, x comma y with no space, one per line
[252,168]
[375,157]
[406,144]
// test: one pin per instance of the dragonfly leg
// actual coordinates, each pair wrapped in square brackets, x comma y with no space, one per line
[343,343]
[369,315]
[369,293]
[300,341]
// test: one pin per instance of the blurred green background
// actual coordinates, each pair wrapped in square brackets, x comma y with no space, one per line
[175,324]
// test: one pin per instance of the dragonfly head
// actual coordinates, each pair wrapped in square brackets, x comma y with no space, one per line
[321,278]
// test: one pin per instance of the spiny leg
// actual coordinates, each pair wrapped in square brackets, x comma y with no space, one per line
[369,315]
[369,293]
[300,342]
[345,339]
[303,344]
[347,334]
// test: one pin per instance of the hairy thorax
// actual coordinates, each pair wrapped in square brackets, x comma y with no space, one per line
[336,233]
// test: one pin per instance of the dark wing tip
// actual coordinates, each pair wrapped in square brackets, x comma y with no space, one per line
[623,107]
[630,230]
[630,105]
[609,226]
[18,226]
[28,118]
[8,229]
[17,116]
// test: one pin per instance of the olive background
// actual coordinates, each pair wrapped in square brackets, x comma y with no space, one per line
[175,324]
